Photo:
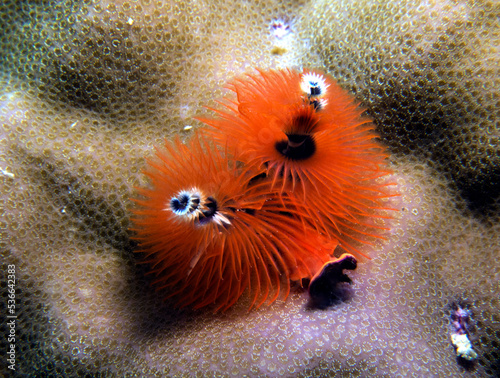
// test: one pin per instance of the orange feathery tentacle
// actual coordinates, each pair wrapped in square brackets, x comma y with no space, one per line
[211,232]
[312,139]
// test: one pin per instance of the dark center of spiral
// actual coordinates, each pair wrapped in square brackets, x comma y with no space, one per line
[316,104]
[315,89]
[207,215]
[297,146]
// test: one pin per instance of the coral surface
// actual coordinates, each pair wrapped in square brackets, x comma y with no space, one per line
[89,87]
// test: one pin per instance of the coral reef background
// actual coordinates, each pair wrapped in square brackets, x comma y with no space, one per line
[89,87]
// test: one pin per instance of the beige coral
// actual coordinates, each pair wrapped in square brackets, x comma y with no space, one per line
[90,87]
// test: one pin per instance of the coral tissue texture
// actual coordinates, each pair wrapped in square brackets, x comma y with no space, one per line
[89,87]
